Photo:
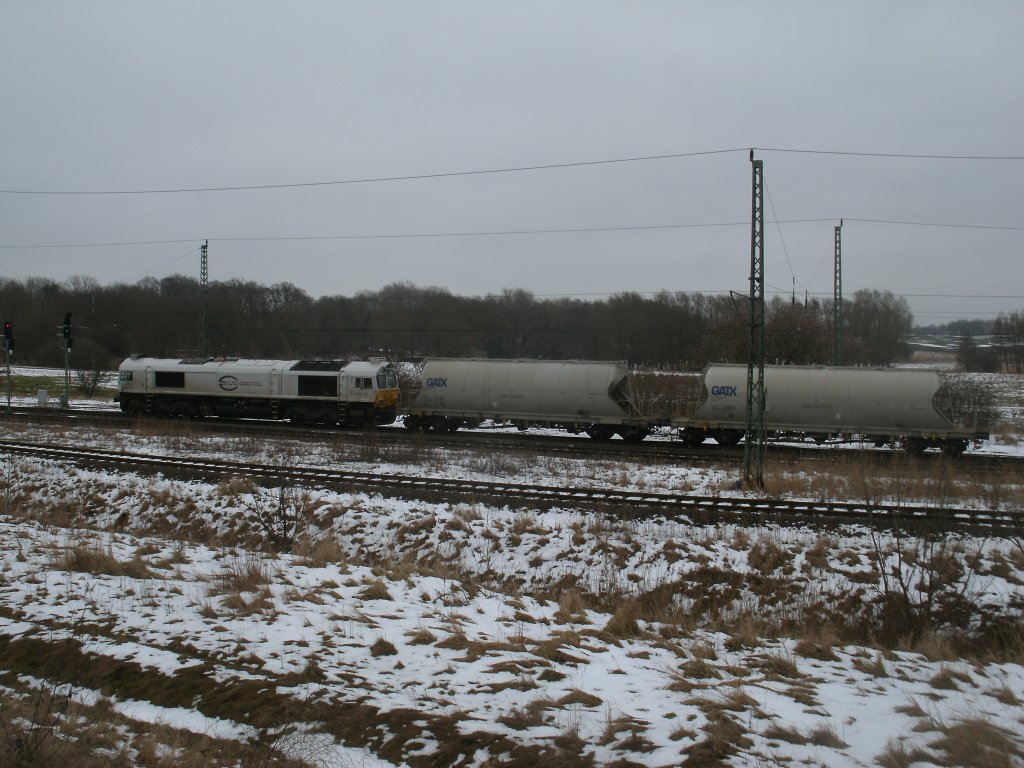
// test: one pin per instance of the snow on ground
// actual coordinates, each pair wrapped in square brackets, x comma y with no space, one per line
[462,623]
[507,665]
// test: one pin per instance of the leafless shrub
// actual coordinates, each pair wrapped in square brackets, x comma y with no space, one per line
[923,586]
[280,517]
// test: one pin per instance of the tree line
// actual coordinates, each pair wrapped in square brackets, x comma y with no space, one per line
[1004,351]
[680,331]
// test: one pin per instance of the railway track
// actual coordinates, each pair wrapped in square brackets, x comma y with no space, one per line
[629,503]
[568,445]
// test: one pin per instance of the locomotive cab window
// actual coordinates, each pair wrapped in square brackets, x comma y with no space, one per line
[363,382]
[126,376]
[169,379]
[318,386]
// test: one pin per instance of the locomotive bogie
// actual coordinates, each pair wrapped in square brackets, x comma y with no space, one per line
[333,392]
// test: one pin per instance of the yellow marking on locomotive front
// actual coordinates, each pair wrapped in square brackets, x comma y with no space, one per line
[386,398]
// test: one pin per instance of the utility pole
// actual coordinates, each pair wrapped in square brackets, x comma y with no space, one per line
[204,280]
[837,300]
[753,439]
[68,341]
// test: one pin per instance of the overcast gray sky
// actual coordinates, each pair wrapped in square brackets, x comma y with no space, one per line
[138,96]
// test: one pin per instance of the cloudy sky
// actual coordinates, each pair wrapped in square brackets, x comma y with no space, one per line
[288,135]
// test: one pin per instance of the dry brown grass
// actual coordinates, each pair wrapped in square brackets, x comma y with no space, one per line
[91,557]
[376,590]
[977,743]
[421,636]
[571,608]
[889,477]
[319,553]
[623,623]
[248,573]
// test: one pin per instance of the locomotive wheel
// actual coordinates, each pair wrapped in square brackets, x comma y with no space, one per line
[184,411]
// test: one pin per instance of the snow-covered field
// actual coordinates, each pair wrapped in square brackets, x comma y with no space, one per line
[239,625]
[465,633]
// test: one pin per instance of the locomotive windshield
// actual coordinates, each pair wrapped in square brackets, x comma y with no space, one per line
[387,379]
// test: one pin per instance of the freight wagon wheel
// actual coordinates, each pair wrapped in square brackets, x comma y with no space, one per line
[728,438]
[692,437]
[954,448]
[632,435]
[914,446]
[600,433]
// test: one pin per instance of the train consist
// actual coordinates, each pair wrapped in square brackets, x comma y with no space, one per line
[912,409]
[353,394]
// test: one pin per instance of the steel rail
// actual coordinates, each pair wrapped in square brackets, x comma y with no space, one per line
[667,450]
[627,503]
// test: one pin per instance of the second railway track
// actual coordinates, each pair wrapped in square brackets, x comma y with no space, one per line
[622,502]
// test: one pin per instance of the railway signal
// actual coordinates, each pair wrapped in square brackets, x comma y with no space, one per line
[68,341]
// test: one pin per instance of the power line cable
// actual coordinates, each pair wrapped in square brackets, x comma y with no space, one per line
[374,180]
[895,155]
[499,233]
[512,169]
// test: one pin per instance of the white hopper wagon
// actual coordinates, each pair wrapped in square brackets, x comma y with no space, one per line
[908,407]
[591,397]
